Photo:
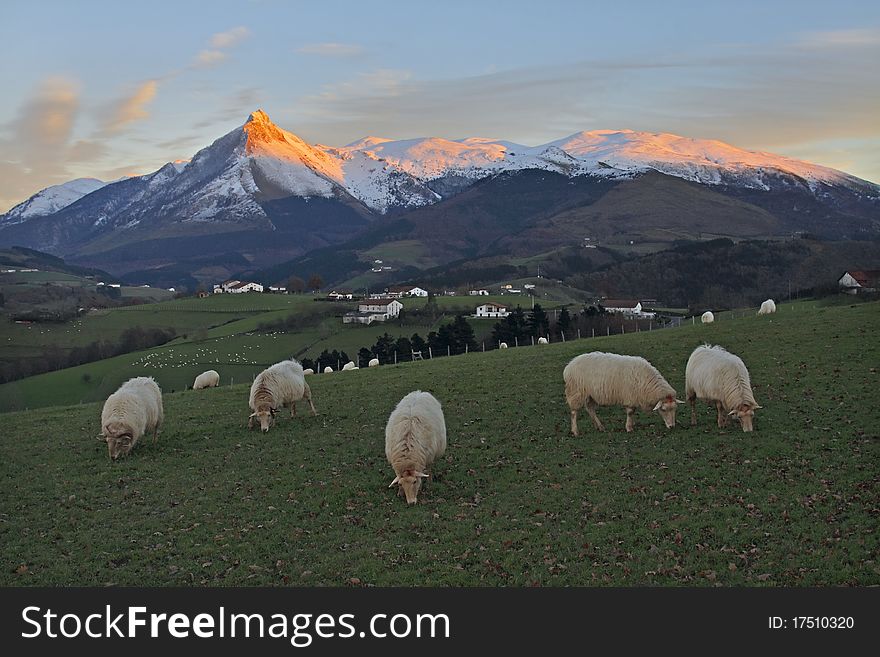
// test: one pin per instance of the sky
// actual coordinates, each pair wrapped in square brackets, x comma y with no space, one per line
[107,89]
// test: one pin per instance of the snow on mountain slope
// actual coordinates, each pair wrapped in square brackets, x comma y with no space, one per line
[52,199]
[701,160]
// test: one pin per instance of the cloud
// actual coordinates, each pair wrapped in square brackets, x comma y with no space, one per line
[219,43]
[230,37]
[855,38]
[85,150]
[130,108]
[331,49]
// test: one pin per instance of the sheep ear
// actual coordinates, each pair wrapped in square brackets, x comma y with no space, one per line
[396,479]
[678,401]
[422,475]
[659,404]
[252,415]
[756,406]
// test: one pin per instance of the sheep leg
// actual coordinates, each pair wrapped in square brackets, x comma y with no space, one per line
[292,409]
[308,397]
[155,435]
[630,418]
[250,422]
[591,409]
[574,422]
[722,419]
[692,400]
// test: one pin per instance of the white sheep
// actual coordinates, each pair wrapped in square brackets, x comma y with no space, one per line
[707,317]
[415,437]
[542,341]
[328,370]
[374,362]
[282,383]
[349,366]
[503,345]
[130,412]
[308,370]
[720,377]
[767,308]
[209,379]
[601,379]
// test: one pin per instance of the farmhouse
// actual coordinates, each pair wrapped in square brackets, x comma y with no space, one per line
[491,310]
[339,295]
[278,289]
[482,292]
[628,307]
[857,281]
[400,291]
[387,307]
[237,287]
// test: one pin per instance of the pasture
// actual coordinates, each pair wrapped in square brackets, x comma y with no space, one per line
[516,501]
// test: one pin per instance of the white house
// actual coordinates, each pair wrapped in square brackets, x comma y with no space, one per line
[400,291]
[240,287]
[361,318]
[492,310]
[856,281]
[628,307]
[479,293]
[339,295]
[279,289]
[388,307]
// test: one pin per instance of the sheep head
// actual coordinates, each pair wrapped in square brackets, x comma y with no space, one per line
[119,439]
[745,413]
[666,407]
[264,415]
[410,483]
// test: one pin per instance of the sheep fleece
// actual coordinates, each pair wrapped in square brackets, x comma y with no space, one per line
[137,404]
[614,379]
[716,374]
[415,435]
[281,384]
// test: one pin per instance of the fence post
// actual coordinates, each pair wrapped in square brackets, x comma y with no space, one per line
[395,357]
[533,340]
[448,353]
[465,347]
[484,345]
[579,334]
[562,333]
[430,354]
[693,319]
[622,329]
[608,329]
[650,326]
[338,366]
[515,341]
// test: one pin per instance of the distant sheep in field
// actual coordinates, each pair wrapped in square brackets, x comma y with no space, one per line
[503,345]
[601,379]
[282,383]
[707,317]
[349,366]
[718,376]
[130,412]
[209,379]
[415,437]
[542,341]
[374,362]
[767,308]
[328,370]
[308,370]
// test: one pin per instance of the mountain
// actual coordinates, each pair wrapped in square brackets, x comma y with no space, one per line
[51,200]
[260,197]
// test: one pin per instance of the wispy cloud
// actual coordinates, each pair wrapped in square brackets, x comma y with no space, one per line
[130,108]
[331,49]
[219,43]
[855,38]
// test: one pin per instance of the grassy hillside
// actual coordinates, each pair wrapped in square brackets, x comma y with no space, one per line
[516,501]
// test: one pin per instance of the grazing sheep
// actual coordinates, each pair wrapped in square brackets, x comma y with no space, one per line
[209,379]
[707,317]
[282,383]
[308,370]
[374,362]
[542,341]
[503,345]
[130,412]
[349,366]
[718,376]
[767,308]
[600,379]
[328,370]
[415,437]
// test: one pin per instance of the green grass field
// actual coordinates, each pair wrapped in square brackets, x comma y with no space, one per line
[516,501]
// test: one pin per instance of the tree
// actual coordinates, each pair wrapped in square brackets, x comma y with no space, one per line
[315,282]
[417,343]
[404,348]
[538,322]
[462,335]
[296,285]
[364,355]
[563,323]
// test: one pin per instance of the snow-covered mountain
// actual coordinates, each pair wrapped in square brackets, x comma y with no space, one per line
[52,199]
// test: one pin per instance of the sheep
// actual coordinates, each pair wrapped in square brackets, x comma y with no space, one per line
[282,383]
[349,366]
[767,308]
[209,379]
[374,362]
[328,370]
[542,341]
[308,370]
[602,379]
[503,345]
[707,317]
[130,412]
[715,374]
[415,437]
